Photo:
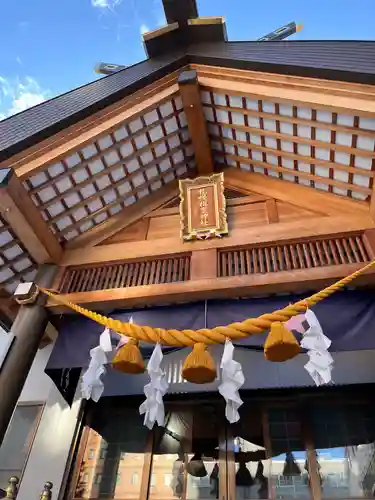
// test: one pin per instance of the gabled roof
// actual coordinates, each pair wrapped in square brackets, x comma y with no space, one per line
[352,61]
[115,159]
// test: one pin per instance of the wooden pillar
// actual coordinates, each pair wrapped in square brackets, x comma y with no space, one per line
[191,100]
[28,329]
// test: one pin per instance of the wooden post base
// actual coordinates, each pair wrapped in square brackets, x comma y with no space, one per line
[28,329]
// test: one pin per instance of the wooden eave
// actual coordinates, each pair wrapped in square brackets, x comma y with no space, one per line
[204,107]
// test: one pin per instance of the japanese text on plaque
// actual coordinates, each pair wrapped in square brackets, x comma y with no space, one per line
[203,206]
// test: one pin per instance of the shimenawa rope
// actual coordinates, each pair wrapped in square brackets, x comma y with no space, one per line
[217,335]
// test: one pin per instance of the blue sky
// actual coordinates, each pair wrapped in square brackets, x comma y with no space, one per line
[48,48]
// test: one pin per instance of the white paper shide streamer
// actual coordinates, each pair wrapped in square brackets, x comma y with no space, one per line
[232,379]
[317,344]
[153,407]
[91,383]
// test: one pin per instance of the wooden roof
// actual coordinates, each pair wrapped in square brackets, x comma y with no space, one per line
[97,161]
[328,151]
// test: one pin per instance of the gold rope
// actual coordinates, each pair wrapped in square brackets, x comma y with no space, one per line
[217,335]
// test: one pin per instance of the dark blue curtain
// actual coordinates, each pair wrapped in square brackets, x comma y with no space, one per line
[347,318]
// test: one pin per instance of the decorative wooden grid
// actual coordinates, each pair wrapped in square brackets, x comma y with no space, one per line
[119,168]
[291,256]
[129,274]
[16,265]
[328,151]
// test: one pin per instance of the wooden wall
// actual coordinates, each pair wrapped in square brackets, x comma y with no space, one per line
[243,212]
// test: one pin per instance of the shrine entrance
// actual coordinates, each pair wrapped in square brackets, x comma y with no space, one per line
[284,447]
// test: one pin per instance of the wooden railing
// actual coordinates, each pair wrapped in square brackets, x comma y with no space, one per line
[249,260]
[289,265]
[127,274]
[292,256]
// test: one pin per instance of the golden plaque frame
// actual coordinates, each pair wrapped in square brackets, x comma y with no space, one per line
[193,228]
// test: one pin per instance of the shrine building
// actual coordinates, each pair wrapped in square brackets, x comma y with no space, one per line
[169,238]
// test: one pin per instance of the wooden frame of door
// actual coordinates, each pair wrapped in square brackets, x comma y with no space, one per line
[226,458]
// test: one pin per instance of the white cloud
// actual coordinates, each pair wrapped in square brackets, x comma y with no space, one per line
[144,29]
[105,4]
[18,95]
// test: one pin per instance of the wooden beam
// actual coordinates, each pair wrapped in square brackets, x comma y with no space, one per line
[191,99]
[22,229]
[301,96]
[287,137]
[372,198]
[272,233]
[292,156]
[369,240]
[291,119]
[287,81]
[27,222]
[304,280]
[48,145]
[203,264]
[25,169]
[303,196]
[206,20]
[272,212]
[125,218]
[149,35]
[8,307]
[302,175]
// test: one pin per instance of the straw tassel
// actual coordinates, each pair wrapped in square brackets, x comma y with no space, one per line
[199,366]
[280,344]
[129,359]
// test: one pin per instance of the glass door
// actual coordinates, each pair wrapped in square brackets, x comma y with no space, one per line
[248,459]
[299,448]
[188,460]
[266,455]
[113,456]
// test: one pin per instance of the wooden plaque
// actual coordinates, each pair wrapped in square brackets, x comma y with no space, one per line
[203,207]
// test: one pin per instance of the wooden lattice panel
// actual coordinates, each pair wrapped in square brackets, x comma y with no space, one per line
[293,256]
[151,272]
[16,265]
[119,168]
[314,147]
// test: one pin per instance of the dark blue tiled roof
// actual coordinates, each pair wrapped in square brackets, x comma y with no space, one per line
[352,61]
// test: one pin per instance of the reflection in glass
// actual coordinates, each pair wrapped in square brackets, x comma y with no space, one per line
[252,467]
[289,472]
[185,455]
[18,441]
[202,476]
[114,456]
[252,470]
[167,479]
[344,438]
